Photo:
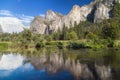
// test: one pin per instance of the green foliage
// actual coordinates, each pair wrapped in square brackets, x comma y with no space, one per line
[26,34]
[72,36]
[116,44]
[5,37]
[39,44]
[57,35]
[110,43]
[78,45]
[48,37]
[116,10]
[60,45]
[25,38]
[111,30]
[91,36]
[64,33]
[37,37]
[51,43]
[4,46]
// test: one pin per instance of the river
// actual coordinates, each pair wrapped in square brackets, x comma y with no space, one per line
[64,64]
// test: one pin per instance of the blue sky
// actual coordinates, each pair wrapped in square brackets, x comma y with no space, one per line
[27,9]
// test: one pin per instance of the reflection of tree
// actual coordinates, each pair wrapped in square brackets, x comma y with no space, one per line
[112,58]
[109,58]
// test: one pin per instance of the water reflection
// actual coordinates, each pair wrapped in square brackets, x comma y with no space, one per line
[10,61]
[61,65]
[56,62]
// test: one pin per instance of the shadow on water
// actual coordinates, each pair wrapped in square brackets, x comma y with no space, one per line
[55,64]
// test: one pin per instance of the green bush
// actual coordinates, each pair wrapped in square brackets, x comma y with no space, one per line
[60,45]
[72,36]
[48,37]
[51,43]
[116,43]
[78,45]
[39,45]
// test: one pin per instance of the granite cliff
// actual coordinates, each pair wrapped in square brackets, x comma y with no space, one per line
[96,11]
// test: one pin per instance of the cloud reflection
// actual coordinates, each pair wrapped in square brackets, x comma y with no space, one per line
[10,62]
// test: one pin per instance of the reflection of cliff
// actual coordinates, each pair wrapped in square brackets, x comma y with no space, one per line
[56,62]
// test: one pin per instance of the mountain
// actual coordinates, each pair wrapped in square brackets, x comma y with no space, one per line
[96,12]
[101,12]
[10,25]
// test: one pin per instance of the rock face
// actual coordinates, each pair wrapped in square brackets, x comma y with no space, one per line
[110,2]
[101,13]
[95,11]
[54,21]
[77,14]
[38,25]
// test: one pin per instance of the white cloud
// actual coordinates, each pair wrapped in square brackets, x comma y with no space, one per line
[11,62]
[23,18]
[11,24]
[42,15]
[5,13]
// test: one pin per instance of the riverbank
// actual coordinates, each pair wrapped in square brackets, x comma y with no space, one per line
[5,46]
[91,44]
[78,44]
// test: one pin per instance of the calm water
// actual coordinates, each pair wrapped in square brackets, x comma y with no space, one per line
[55,64]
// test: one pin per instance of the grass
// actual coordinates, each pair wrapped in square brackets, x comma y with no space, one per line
[4,45]
[78,44]
[83,44]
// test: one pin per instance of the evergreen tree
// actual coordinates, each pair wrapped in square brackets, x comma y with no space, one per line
[111,31]
[64,32]
[116,10]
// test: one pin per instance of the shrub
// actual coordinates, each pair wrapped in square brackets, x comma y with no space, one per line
[60,45]
[78,45]
[3,46]
[72,36]
[39,44]
[116,43]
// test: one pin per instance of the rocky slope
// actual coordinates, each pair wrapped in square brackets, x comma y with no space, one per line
[96,11]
